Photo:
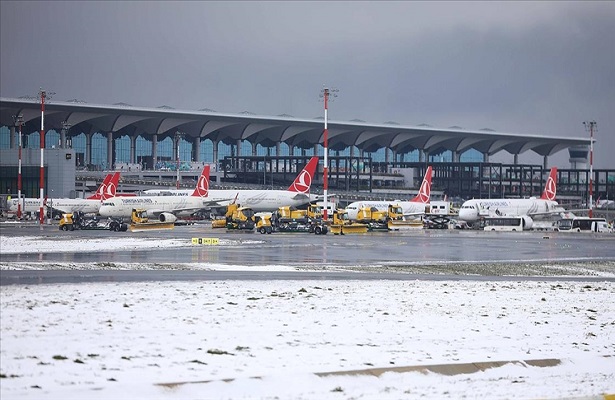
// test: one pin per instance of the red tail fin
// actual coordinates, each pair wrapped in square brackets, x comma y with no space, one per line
[202,186]
[551,186]
[303,181]
[111,188]
[425,189]
[98,195]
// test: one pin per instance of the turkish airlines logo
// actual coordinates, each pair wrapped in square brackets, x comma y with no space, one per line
[424,192]
[202,187]
[550,189]
[110,191]
[101,191]
[303,182]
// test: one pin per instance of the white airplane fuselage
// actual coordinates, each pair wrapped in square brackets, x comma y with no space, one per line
[258,200]
[28,205]
[472,210]
[121,207]
[86,206]
[409,208]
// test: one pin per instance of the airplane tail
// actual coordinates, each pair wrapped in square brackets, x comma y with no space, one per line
[111,188]
[98,195]
[202,186]
[303,181]
[551,186]
[425,189]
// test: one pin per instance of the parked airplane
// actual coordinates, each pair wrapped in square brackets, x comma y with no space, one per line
[297,193]
[161,205]
[414,207]
[473,210]
[88,205]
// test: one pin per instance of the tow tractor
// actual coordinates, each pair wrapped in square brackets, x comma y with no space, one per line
[77,220]
[290,219]
[140,221]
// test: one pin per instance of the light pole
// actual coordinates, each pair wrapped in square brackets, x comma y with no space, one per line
[326,92]
[178,136]
[63,141]
[590,125]
[19,120]
[43,95]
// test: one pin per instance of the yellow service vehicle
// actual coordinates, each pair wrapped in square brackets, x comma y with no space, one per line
[342,225]
[236,218]
[390,220]
[290,219]
[140,221]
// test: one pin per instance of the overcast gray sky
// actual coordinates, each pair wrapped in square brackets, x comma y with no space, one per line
[524,67]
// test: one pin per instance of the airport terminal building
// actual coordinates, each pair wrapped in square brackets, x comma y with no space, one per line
[82,141]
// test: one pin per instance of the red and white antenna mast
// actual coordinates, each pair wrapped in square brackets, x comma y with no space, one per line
[19,120]
[43,94]
[326,93]
[178,136]
[590,125]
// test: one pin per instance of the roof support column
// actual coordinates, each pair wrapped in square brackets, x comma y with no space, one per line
[545,162]
[291,150]
[386,156]
[196,149]
[316,149]
[485,157]
[12,137]
[422,155]
[109,150]
[215,153]
[277,149]
[351,151]
[254,149]
[155,149]
[516,159]
[133,148]
[175,147]
[88,149]
[455,156]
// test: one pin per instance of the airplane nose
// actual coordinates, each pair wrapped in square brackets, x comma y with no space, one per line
[467,214]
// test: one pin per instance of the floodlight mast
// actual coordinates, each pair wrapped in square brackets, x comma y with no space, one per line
[19,120]
[43,94]
[326,92]
[590,125]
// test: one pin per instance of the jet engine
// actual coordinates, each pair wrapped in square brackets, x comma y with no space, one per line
[167,217]
[528,222]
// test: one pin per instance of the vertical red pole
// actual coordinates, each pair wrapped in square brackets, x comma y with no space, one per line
[326,165]
[591,169]
[19,172]
[42,174]
[177,184]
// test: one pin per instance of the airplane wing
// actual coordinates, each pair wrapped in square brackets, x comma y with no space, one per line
[558,211]
[207,205]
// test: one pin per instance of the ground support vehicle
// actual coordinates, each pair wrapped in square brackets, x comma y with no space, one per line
[342,225]
[77,220]
[390,220]
[582,224]
[294,221]
[140,221]
[236,219]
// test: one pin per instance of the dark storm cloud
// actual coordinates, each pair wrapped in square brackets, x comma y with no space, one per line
[531,67]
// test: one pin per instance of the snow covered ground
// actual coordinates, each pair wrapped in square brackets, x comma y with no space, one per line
[278,339]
